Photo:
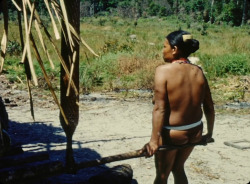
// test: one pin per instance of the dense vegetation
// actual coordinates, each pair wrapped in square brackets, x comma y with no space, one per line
[234,12]
[129,48]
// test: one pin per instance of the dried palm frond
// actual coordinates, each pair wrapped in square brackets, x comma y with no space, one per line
[43,45]
[16,5]
[66,21]
[27,44]
[58,13]
[3,49]
[56,49]
[57,9]
[52,20]
[71,72]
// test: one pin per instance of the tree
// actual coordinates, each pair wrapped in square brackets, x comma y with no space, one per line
[211,11]
[232,13]
[244,14]
[70,102]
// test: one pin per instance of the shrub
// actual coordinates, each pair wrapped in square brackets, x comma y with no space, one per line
[14,69]
[233,64]
[14,48]
[99,71]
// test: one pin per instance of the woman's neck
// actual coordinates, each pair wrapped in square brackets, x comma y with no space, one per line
[181,60]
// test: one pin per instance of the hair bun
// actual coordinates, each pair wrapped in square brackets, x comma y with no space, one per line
[194,45]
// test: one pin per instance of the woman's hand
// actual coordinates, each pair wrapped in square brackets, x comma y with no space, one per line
[150,148]
[208,138]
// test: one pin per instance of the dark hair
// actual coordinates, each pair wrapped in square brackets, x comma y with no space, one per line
[186,48]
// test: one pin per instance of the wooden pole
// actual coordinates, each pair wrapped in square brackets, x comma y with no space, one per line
[70,54]
[134,154]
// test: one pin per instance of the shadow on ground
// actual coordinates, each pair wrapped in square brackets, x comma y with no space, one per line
[41,136]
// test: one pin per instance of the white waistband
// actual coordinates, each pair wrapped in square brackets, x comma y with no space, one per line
[184,127]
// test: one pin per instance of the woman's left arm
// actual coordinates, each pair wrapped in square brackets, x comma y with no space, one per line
[159,109]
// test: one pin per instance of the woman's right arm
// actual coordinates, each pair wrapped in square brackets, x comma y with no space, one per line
[208,107]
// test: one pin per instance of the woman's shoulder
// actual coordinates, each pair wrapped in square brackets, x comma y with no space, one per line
[164,67]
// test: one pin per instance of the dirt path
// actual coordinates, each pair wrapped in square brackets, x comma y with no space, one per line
[110,126]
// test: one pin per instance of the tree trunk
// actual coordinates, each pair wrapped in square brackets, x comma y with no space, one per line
[211,11]
[70,103]
[244,12]
[177,7]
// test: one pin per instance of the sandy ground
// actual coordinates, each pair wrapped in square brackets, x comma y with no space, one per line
[110,125]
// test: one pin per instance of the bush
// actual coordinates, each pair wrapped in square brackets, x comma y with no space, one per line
[234,64]
[98,72]
[14,69]
[14,48]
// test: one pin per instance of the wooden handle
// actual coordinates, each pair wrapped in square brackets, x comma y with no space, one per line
[132,154]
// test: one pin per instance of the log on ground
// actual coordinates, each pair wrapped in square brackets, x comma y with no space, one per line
[121,174]
[31,171]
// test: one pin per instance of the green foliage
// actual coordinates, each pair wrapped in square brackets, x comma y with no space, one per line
[126,81]
[194,6]
[114,46]
[153,9]
[53,73]
[102,21]
[228,11]
[221,66]
[99,71]
[14,48]
[14,69]
[232,13]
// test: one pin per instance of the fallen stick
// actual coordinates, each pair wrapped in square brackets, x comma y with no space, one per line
[134,154]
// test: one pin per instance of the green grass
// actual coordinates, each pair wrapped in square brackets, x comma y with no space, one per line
[126,63]
[226,65]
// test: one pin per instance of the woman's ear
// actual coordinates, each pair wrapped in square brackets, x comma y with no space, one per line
[175,50]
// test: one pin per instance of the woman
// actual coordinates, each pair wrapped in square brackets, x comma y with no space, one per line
[181,90]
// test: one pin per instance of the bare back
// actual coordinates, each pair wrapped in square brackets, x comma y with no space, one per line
[185,90]
[181,88]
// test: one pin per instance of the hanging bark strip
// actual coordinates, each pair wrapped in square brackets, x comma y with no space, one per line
[27,44]
[52,20]
[43,45]
[70,103]
[5,33]
[18,7]
[26,65]
[66,17]
[58,11]
[47,79]
[71,73]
